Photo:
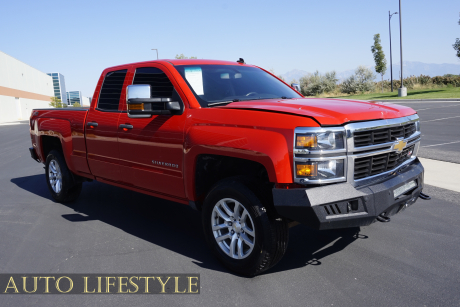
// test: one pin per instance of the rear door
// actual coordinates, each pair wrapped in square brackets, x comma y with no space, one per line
[151,151]
[102,126]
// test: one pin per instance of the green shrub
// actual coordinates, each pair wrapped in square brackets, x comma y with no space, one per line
[316,83]
[361,81]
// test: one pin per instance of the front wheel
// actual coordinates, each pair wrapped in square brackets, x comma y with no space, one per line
[240,232]
[59,179]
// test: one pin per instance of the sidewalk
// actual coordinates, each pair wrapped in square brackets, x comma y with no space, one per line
[442,174]
[420,100]
[18,122]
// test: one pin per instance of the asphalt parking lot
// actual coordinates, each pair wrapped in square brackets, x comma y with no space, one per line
[440,124]
[411,261]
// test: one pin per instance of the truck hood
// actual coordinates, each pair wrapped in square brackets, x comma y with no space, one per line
[327,112]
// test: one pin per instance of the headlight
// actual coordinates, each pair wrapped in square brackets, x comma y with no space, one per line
[320,155]
[317,170]
[328,140]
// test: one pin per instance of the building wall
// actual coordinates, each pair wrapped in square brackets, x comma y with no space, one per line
[22,88]
[86,101]
[73,97]
[59,86]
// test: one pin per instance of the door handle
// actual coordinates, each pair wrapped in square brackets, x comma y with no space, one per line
[125,127]
[91,125]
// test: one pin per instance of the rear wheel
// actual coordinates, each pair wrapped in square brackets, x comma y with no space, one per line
[59,179]
[240,232]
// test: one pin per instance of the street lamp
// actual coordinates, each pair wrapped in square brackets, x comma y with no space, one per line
[157,52]
[391,59]
[402,91]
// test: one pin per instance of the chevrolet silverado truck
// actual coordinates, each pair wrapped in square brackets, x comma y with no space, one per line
[238,144]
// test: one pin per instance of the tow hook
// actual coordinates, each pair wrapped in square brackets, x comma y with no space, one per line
[424,196]
[382,218]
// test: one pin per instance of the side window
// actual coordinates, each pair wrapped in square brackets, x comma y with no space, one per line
[160,85]
[109,98]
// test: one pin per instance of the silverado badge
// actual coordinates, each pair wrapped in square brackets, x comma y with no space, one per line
[399,145]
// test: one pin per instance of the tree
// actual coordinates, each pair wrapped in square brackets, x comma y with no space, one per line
[182,56]
[457,47]
[56,103]
[379,57]
[77,105]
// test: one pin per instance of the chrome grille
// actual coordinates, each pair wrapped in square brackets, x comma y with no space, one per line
[384,135]
[377,164]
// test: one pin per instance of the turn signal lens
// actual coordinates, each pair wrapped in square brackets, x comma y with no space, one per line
[307,141]
[136,106]
[309,170]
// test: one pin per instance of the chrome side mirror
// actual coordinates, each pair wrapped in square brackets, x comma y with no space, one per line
[296,86]
[137,91]
[140,103]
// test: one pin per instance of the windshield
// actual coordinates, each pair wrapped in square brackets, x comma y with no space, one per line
[215,85]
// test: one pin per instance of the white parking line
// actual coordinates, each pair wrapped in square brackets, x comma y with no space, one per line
[432,120]
[441,144]
[455,105]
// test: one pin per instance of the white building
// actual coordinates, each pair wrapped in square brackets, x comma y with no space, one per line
[74,97]
[59,86]
[86,101]
[22,88]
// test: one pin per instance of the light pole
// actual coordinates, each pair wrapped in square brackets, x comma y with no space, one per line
[157,52]
[402,91]
[391,59]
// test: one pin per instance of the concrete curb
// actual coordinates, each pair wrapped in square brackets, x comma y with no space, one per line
[441,174]
[414,100]
[15,122]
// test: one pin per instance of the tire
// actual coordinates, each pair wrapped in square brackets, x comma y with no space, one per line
[268,233]
[60,182]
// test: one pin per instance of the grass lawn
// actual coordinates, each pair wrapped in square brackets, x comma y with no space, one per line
[446,92]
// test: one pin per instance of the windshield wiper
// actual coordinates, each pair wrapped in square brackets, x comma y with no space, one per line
[222,102]
[236,100]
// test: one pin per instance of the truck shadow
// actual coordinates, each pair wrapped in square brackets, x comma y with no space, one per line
[178,227]
[308,247]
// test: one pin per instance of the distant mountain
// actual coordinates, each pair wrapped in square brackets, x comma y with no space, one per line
[295,74]
[419,68]
[410,68]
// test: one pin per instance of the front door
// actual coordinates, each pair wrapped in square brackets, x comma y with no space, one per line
[151,151]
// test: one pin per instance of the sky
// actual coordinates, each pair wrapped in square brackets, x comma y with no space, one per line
[81,38]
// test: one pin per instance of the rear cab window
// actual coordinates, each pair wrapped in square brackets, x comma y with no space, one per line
[109,97]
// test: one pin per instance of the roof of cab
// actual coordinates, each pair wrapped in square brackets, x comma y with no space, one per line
[177,62]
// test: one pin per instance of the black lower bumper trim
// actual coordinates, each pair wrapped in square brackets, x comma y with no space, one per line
[33,154]
[342,205]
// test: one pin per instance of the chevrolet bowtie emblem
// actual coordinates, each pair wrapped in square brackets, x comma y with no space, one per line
[399,145]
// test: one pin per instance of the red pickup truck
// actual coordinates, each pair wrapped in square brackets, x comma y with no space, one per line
[238,144]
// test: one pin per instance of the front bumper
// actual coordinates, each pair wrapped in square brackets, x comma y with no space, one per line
[342,205]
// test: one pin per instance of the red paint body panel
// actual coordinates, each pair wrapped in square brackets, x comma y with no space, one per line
[263,137]
[102,143]
[261,131]
[68,126]
[328,112]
